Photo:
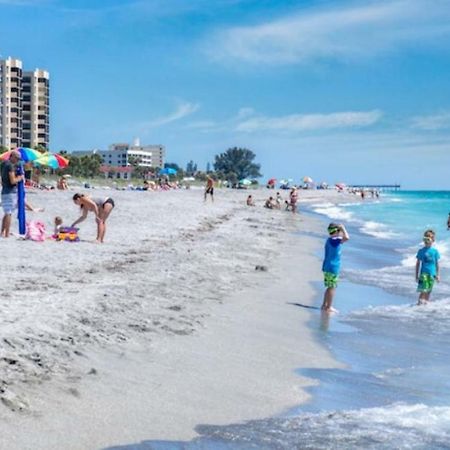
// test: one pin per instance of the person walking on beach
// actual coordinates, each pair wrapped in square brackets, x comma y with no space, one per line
[101,207]
[332,263]
[9,190]
[209,188]
[427,267]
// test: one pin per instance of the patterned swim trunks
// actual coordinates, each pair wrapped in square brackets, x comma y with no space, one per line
[9,203]
[426,282]
[330,280]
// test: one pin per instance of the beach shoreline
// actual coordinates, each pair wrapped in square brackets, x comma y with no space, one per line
[182,330]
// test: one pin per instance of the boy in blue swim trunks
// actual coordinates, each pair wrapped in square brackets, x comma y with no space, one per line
[332,263]
[427,267]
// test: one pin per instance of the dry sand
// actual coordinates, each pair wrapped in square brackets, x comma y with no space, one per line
[165,326]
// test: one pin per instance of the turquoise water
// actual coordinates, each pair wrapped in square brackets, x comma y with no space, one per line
[394,391]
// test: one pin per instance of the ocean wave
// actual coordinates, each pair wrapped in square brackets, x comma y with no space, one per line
[398,280]
[333,211]
[377,230]
[395,426]
[433,317]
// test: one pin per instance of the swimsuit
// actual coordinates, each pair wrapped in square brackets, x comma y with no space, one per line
[330,280]
[101,202]
[426,282]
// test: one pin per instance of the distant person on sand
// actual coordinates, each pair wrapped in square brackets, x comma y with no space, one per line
[279,200]
[250,201]
[101,207]
[427,267]
[293,197]
[332,263]
[62,184]
[30,207]
[269,203]
[209,188]
[9,190]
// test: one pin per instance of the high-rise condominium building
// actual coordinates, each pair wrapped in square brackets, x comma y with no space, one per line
[24,106]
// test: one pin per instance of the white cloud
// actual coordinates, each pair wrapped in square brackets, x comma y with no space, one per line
[433,122]
[248,121]
[339,33]
[310,122]
[184,109]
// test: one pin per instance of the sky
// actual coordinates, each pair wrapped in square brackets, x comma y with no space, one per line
[341,91]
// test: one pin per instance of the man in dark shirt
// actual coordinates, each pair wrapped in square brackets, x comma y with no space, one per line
[9,190]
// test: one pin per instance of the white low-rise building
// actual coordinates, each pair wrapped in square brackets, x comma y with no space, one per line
[118,160]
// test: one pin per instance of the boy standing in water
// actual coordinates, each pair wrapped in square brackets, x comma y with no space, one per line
[332,263]
[427,267]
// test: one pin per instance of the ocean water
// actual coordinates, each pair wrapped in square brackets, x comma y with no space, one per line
[394,392]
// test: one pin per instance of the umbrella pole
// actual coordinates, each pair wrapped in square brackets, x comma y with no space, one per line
[21,202]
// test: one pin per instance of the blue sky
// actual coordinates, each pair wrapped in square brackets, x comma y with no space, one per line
[349,91]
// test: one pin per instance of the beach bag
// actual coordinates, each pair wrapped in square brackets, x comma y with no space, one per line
[35,231]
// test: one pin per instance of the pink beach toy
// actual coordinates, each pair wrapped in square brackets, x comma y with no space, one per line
[35,231]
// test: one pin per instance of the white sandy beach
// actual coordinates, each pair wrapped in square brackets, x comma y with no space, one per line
[164,327]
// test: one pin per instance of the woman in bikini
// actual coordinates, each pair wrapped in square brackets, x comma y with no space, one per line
[101,207]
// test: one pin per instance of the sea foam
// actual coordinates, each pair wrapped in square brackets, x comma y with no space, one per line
[416,426]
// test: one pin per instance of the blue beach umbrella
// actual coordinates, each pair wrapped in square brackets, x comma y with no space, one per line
[168,171]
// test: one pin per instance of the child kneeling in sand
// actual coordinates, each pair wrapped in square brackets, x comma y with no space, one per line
[427,267]
[58,225]
[332,263]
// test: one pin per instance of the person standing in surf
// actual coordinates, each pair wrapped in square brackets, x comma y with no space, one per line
[427,267]
[101,207]
[332,263]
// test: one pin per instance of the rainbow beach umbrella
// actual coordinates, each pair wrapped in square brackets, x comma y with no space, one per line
[26,154]
[52,160]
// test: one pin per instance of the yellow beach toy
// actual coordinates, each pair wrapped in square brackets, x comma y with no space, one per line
[68,234]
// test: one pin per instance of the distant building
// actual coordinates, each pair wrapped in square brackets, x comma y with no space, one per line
[24,106]
[121,154]
[118,159]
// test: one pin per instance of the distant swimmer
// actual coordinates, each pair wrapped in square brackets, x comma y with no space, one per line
[448,221]
[427,267]
[332,263]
